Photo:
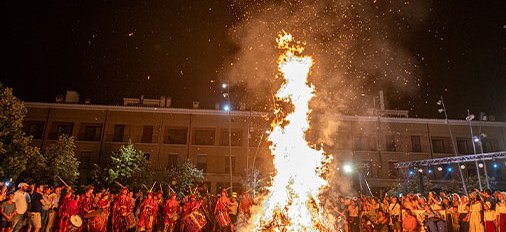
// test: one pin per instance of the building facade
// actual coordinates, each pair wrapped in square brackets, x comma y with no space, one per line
[168,136]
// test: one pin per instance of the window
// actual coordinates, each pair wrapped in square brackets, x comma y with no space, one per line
[204,137]
[91,133]
[61,128]
[235,138]
[147,134]
[147,156]
[441,145]
[416,144]
[85,160]
[364,143]
[390,143]
[34,129]
[368,171]
[202,163]
[119,133]
[176,136]
[255,136]
[489,145]
[173,160]
[392,171]
[463,146]
[227,164]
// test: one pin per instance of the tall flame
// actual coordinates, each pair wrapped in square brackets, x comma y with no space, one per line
[292,203]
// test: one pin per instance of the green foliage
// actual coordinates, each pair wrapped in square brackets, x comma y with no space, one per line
[128,167]
[15,149]
[186,176]
[59,159]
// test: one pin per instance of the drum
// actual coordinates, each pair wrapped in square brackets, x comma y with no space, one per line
[223,219]
[174,217]
[76,221]
[130,221]
[194,222]
[92,214]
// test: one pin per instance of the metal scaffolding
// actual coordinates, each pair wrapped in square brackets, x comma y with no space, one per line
[452,160]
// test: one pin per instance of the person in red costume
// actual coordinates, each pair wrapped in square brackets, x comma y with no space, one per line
[221,211]
[147,217]
[189,207]
[69,207]
[99,223]
[171,212]
[123,207]
[245,205]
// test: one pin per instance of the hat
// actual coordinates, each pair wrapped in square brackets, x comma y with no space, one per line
[488,204]
[22,184]
[234,194]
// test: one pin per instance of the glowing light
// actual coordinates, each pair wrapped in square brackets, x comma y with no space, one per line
[440,169]
[450,169]
[292,203]
[411,172]
[347,168]
[480,165]
[226,107]
[429,171]
[462,166]
[420,170]
[495,165]
[224,86]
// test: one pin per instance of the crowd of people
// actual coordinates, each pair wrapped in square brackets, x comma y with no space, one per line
[43,208]
[442,212]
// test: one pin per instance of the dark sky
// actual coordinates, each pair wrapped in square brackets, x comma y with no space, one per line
[107,50]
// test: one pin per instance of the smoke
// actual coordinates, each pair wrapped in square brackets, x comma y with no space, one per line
[357,45]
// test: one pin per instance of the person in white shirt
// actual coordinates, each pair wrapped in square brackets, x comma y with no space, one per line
[21,199]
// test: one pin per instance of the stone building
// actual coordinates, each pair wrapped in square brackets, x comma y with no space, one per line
[170,135]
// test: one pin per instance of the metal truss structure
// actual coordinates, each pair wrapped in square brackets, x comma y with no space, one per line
[452,160]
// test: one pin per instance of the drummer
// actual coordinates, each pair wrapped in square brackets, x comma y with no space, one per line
[171,213]
[222,206]
[189,207]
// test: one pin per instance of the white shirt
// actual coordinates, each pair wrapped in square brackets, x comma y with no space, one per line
[21,199]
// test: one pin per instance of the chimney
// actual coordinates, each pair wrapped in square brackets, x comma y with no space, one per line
[196,104]
[168,102]
[59,98]
[163,101]
[72,97]
[382,100]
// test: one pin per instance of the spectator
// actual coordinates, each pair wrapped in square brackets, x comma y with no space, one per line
[7,211]
[21,200]
[35,218]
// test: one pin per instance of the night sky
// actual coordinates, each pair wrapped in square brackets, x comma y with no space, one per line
[107,50]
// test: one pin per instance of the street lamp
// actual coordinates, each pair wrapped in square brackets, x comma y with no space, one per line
[470,118]
[347,168]
[477,139]
[228,108]
[443,110]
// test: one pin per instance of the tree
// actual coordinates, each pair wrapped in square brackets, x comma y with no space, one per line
[15,149]
[187,176]
[128,167]
[58,160]
[61,160]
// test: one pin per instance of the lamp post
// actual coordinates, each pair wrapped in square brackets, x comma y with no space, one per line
[470,118]
[443,110]
[478,139]
[253,172]
[228,108]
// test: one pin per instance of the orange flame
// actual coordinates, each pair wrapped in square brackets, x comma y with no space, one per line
[293,203]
